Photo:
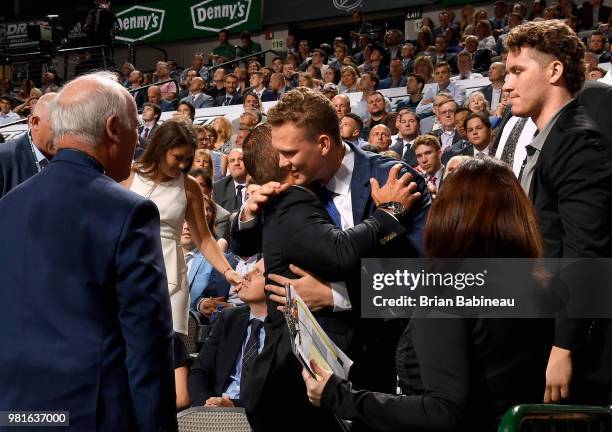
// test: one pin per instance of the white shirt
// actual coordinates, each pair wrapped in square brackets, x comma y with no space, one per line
[473,75]
[431,91]
[525,138]
[242,268]
[495,97]
[9,117]
[189,256]
[340,185]
[438,175]
[149,126]
[243,191]
[446,138]
[480,153]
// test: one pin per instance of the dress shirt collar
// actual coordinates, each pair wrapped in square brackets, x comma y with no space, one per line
[261,318]
[39,156]
[540,138]
[340,183]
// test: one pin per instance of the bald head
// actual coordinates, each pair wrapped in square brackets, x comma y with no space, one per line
[40,125]
[197,85]
[96,115]
[380,136]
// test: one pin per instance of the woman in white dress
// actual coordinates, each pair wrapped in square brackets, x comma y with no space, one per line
[160,175]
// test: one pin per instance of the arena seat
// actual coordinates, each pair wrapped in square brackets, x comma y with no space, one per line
[561,418]
[207,419]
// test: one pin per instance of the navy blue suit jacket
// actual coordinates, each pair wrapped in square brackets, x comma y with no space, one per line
[17,163]
[247,242]
[85,317]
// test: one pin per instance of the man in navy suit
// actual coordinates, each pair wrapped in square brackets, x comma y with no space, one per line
[85,307]
[25,156]
[219,370]
[231,96]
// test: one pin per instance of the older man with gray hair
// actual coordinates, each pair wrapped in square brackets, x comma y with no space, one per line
[83,281]
[27,155]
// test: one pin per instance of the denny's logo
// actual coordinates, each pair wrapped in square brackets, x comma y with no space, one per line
[139,22]
[215,15]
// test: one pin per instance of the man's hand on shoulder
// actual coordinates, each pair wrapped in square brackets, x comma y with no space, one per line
[259,197]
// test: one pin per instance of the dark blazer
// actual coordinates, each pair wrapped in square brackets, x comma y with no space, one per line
[409,157]
[367,165]
[224,194]
[488,93]
[464,374]
[235,100]
[98,329]
[458,142]
[596,98]
[470,150]
[585,15]
[17,163]
[571,193]
[269,95]
[142,142]
[293,227]
[212,368]
[166,106]
[455,150]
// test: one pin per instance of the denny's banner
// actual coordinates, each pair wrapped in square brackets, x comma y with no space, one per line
[173,20]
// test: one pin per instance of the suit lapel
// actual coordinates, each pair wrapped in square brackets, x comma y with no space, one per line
[26,163]
[360,182]
[198,259]
[234,339]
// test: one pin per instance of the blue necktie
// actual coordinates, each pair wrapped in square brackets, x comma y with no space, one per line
[327,198]
[251,349]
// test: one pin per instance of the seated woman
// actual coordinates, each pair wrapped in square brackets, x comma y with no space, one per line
[476,102]
[463,373]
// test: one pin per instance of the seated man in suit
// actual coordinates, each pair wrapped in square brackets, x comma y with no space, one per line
[230,191]
[478,129]
[197,97]
[428,154]
[493,92]
[408,131]
[154,96]
[448,135]
[235,341]
[27,155]
[231,95]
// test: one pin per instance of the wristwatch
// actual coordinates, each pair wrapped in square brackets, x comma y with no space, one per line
[396,208]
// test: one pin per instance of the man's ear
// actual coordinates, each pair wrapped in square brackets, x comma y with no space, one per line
[33,122]
[556,71]
[112,131]
[325,144]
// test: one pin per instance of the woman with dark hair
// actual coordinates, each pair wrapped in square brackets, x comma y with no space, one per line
[460,374]
[160,176]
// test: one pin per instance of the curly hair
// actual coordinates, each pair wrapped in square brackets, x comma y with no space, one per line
[557,39]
